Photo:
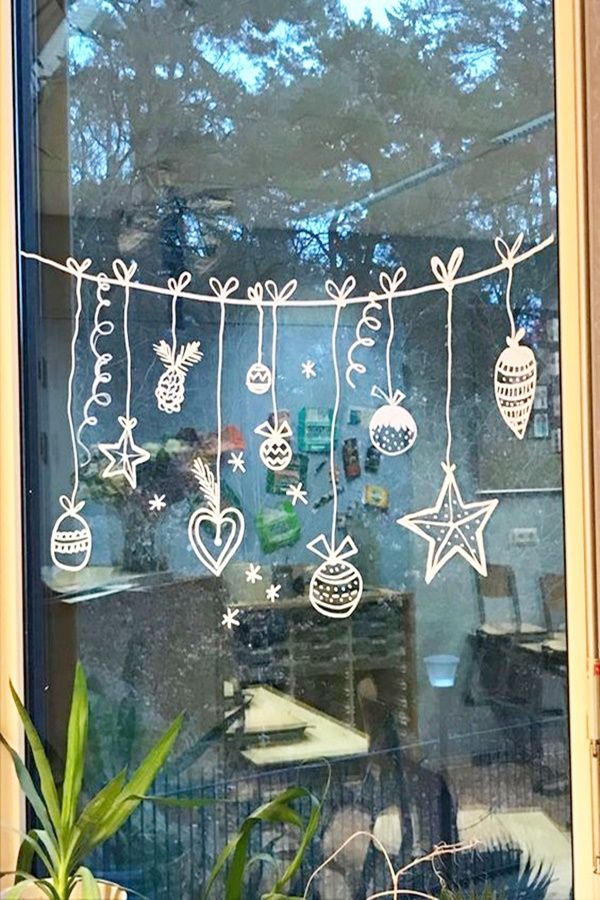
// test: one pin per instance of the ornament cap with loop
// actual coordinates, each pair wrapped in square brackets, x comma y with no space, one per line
[394,398]
[69,505]
[331,554]
[265,429]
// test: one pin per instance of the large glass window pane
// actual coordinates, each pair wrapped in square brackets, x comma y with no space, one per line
[322,509]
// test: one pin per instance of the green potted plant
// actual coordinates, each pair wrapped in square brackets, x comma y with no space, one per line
[67,830]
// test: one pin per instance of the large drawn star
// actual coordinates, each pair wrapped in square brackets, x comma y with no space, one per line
[452,527]
[124,456]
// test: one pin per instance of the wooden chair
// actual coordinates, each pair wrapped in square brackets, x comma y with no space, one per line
[497,589]
[552,590]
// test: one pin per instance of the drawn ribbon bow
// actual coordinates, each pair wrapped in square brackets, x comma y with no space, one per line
[321,546]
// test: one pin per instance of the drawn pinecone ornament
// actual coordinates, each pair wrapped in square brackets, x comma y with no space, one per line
[515,377]
[170,390]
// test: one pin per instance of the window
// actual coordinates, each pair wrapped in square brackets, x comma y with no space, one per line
[306,145]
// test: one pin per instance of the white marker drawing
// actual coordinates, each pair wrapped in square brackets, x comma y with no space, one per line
[170,390]
[258,376]
[308,369]
[451,527]
[392,428]
[309,302]
[102,328]
[157,503]
[71,538]
[272,592]
[368,320]
[228,522]
[124,455]
[336,585]
[237,462]
[252,573]
[275,451]
[231,618]
[515,373]
[297,493]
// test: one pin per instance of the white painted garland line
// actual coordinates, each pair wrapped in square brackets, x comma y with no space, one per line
[244,301]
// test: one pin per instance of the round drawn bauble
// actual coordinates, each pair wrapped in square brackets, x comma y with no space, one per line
[71,539]
[515,377]
[276,453]
[336,588]
[258,378]
[392,428]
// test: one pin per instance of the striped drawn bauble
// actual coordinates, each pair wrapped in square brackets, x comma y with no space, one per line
[336,588]
[515,379]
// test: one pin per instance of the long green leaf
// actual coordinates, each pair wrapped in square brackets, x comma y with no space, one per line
[309,833]
[91,888]
[138,785]
[94,812]
[237,868]
[76,749]
[275,810]
[17,890]
[31,793]
[178,802]
[47,785]
[30,846]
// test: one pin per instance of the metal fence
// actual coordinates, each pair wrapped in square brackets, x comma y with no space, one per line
[168,854]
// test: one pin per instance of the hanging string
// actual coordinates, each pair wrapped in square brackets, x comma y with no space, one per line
[446,275]
[388,348]
[219,406]
[334,418]
[76,269]
[274,365]
[449,376]
[508,256]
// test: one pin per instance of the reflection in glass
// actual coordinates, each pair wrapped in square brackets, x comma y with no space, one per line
[271,142]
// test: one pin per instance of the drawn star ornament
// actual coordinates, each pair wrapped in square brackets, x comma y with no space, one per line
[124,456]
[452,527]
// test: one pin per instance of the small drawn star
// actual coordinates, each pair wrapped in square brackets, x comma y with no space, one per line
[157,503]
[236,461]
[273,592]
[252,574]
[296,492]
[230,618]
[124,456]
[308,369]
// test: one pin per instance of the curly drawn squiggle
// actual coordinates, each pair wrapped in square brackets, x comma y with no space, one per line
[367,320]
[102,328]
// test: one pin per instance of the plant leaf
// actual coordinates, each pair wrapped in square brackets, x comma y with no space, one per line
[94,812]
[31,845]
[127,801]
[91,888]
[76,749]
[32,795]
[47,784]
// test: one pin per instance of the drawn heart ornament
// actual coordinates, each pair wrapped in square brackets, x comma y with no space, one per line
[216,552]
